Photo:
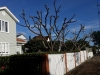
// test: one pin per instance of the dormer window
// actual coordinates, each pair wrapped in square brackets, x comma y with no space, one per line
[4,26]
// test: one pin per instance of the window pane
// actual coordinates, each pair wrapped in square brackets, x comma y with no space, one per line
[0,25]
[6,47]
[3,47]
[0,48]
[6,26]
[3,27]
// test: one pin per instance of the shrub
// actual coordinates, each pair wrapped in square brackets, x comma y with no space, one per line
[17,64]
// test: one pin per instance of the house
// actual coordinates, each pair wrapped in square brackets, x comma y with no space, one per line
[40,38]
[21,40]
[7,32]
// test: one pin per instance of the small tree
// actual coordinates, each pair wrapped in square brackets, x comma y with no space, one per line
[94,49]
[95,35]
[54,28]
[78,42]
[34,45]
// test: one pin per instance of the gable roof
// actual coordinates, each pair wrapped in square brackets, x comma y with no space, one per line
[9,12]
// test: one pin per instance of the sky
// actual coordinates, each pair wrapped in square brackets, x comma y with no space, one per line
[86,12]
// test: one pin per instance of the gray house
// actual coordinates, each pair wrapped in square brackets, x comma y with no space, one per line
[7,32]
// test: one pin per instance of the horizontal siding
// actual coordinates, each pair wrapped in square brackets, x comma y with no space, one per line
[11,36]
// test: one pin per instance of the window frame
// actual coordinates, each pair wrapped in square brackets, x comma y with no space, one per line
[6,30]
[6,49]
[0,25]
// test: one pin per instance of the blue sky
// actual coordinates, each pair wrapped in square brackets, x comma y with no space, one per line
[85,10]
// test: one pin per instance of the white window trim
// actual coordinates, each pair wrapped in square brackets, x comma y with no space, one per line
[8,48]
[4,25]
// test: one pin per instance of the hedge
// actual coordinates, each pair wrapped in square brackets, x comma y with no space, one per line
[20,64]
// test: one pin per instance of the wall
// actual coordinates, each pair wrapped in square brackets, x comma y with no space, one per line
[19,50]
[78,58]
[11,36]
[59,64]
[90,54]
[56,64]
[70,61]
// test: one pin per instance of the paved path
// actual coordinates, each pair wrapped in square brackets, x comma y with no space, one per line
[90,67]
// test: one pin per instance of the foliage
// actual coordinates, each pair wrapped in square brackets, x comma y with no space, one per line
[94,49]
[34,45]
[56,46]
[4,61]
[80,45]
[96,37]
[20,64]
[69,45]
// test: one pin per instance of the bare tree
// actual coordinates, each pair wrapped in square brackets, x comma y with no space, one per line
[53,27]
[76,38]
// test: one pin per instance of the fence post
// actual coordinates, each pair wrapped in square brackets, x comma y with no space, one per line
[84,55]
[75,58]
[66,62]
[45,64]
[80,57]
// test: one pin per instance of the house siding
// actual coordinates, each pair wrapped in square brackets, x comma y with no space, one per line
[11,36]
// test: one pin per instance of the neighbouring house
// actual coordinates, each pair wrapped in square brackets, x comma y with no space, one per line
[40,38]
[21,40]
[7,32]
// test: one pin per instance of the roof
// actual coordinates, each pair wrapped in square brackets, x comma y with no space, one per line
[21,36]
[20,40]
[46,37]
[40,37]
[9,12]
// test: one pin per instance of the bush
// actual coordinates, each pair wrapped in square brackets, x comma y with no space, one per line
[20,64]
[94,49]
[3,64]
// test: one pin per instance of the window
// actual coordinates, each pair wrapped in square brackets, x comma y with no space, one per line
[4,47]
[4,26]
[0,48]
[0,25]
